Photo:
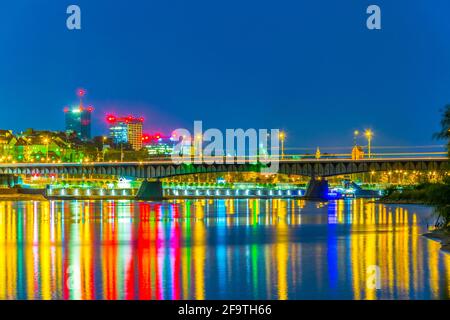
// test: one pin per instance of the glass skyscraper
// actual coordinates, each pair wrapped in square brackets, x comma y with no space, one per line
[78,120]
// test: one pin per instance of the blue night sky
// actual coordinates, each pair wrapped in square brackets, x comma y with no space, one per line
[311,67]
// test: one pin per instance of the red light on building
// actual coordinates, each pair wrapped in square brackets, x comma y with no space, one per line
[141,119]
[157,136]
[111,119]
[90,108]
[81,92]
[66,109]
[146,138]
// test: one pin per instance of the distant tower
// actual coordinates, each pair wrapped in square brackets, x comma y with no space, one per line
[318,154]
[78,118]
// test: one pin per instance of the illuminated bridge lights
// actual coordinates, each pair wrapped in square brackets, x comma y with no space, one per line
[227,192]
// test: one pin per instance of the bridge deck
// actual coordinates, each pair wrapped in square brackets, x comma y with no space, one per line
[202,161]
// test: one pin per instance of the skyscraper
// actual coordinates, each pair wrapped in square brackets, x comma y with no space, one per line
[78,118]
[126,130]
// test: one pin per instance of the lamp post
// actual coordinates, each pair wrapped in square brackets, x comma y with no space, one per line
[282,137]
[369,134]
[103,146]
[355,136]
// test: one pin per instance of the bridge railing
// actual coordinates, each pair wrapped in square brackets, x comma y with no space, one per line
[248,159]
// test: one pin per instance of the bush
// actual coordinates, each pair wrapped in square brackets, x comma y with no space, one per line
[435,194]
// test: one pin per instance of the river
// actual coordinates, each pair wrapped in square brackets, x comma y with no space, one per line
[219,249]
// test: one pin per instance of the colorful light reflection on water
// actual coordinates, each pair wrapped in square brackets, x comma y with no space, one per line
[217,249]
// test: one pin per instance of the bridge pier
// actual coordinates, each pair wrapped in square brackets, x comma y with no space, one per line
[8,180]
[317,190]
[150,190]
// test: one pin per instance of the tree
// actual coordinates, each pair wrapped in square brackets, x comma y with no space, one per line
[444,133]
[440,196]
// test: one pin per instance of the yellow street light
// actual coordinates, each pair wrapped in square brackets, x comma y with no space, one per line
[355,135]
[371,176]
[282,137]
[369,134]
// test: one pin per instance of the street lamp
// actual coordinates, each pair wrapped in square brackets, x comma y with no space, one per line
[355,135]
[369,134]
[282,137]
[103,146]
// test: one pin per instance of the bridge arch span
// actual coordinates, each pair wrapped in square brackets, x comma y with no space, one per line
[309,167]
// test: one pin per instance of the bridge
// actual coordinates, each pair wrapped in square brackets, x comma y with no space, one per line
[166,168]
[317,169]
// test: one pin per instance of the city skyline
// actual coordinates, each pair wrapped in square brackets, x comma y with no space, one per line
[329,74]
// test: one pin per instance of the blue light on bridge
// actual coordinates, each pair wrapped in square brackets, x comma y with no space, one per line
[341,193]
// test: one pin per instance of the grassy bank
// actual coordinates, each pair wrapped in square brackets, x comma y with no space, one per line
[427,193]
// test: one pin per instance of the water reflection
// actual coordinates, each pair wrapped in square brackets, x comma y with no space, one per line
[217,249]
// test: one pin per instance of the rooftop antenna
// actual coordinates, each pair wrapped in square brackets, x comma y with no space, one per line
[81,93]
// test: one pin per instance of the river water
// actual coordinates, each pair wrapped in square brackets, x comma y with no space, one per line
[219,249]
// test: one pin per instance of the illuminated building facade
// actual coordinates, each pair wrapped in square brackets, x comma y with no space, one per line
[78,120]
[157,145]
[119,132]
[160,148]
[7,142]
[357,153]
[37,146]
[135,134]
[126,130]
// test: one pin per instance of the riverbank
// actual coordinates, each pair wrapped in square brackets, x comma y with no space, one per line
[401,201]
[441,236]
[21,194]
[22,197]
